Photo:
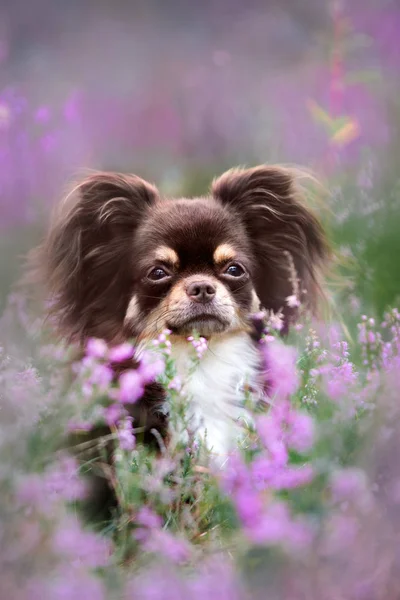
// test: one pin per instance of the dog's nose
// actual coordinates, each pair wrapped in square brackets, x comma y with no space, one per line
[201,291]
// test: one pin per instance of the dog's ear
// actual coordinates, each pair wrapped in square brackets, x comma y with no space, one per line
[86,260]
[286,237]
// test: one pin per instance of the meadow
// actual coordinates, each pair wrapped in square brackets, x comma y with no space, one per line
[309,503]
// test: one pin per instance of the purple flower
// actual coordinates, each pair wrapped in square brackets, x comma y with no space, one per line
[85,547]
[101,376]
[96,348]
[216,580]
[43,114]
[291,477]
[300,434]
[348,484]
[151,366]
[175,384]
[113,413]
[121,353]
[71,584]
[280,369]
[126,438]
[63,480]
[148,518]
[131,387]
[249,506]
[163,542]
[341,532]
[60,482]
[75,426]
[270,431]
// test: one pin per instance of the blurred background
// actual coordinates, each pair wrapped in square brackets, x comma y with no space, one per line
[178,91]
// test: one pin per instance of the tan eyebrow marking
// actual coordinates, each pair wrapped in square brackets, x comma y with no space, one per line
[168,255]
[223,253]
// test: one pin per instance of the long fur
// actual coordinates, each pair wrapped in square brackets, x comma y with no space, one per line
[103,241]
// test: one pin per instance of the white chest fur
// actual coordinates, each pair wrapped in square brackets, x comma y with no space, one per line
[212,388]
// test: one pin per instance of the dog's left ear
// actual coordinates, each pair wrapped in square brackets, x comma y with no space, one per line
[287,239]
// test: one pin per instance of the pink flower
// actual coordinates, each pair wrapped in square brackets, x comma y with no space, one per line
[126,438]
[278,527]
[96,348]
[348,484]
[175,384]
[60,482]
[148,518]
[113,413]
[292,301]
[300,435]
[131,387]
[63,479]
[292,477]
[85,547]
[163,542]
[281,374]
[75,426]
[249,506]
[71,584]
[121,353]
[269,429]
[341,532]
[101,376]
[151,366]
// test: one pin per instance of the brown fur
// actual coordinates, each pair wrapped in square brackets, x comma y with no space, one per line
[104,238]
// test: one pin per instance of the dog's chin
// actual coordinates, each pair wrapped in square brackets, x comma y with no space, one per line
[204,325]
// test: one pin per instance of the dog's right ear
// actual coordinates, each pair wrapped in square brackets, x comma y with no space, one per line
[85,260]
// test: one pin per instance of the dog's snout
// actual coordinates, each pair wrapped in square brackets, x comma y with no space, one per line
[201,291]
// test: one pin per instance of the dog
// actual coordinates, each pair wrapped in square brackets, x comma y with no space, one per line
[122,262]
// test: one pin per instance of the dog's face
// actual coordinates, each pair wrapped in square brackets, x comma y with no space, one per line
[122,261]
[193,271]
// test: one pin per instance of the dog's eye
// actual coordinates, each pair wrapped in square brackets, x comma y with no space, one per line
[157,274]
[234,270]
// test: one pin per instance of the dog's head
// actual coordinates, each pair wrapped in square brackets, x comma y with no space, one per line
[122,261]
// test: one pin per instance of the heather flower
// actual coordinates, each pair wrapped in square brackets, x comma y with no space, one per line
[340,532]
[271,434]
[96,348]
[293,301]
[157,584]
[300,432]
[152,365]
[84,547]
[280,369]
[216,580]
[175,384]
[63,479]
[249,506]
[121,353]
[30,492]
[60,482]
[101,376]
[275,320]
[131,387]
[350,485]
[75,426]
[165,543]
[291,477]
[148,518]
[113,413]
[200,345]
[277,527]
[126,438]
[71,584]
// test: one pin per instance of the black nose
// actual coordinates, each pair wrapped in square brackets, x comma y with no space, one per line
[201,291]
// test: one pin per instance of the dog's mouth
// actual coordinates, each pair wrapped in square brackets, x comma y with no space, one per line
[204,324]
